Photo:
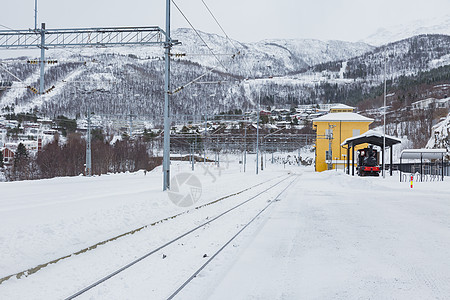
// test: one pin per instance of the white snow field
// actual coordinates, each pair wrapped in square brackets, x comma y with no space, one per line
[328,236]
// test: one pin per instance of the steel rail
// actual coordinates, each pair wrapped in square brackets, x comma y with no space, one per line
[228,242]
[169,243]
[33,270]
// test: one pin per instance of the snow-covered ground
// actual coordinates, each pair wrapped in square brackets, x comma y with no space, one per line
[329,236]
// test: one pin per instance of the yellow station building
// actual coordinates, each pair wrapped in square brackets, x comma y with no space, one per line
[334,128]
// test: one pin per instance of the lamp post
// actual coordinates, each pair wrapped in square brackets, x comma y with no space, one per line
[345,156]
[245,147]
[269,134]
[88,144]
[166,152]
[384,118]
[257,132]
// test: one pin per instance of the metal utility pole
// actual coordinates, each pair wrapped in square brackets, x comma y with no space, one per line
[131,124]
[88,145]
[330,148]
[166,154]
[41,80]
[262,155]
[204,141]
[257,133]
[35,15]
[99,37]
[245,146]
[384,118]
[217,150]
[192,156]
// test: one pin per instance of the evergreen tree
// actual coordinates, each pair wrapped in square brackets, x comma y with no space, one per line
[67,125]
[1,159]
[97,135]
[264,119]
[20,155]
[20,169]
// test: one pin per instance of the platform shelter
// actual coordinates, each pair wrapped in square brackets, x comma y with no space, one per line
[369,137]
[425,156]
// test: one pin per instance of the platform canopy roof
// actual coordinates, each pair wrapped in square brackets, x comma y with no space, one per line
[343,116]
[423,153]
[371,137]
[341,106]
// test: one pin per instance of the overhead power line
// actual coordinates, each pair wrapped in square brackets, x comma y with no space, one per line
[7,71]
[195,30]
[8,28]
[215,19]
[228,38]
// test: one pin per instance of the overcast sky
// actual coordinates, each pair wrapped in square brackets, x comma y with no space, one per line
[243,20]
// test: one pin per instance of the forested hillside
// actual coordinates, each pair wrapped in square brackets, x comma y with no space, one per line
[279,73]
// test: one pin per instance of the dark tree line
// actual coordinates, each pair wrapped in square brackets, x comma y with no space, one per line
[1,159]
[126,83]
[58,159]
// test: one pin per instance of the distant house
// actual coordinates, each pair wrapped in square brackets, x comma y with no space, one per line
[443,103]
[341,108]
[31,145]
[31,125]
[50,131]
[283,124]
[431,103]
[8,155]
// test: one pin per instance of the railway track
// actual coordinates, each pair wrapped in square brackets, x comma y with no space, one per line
[190,232]
[197,272]
[39,267]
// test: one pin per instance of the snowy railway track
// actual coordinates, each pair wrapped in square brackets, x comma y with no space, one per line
[189,232]
[37,268]
[227,243]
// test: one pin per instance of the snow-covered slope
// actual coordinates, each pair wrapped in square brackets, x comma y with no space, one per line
[315,241]
[441,135]
[267,57]
[417,27]
[141,69]
[281,73]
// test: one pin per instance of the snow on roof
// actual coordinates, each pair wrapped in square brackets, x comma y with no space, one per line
[344,116]
[271,126]
[369,133]
[341,106]
[423,153]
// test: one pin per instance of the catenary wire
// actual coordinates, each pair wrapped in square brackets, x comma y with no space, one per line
[195,30]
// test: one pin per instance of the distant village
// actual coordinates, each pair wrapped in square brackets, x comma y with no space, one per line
[36,133]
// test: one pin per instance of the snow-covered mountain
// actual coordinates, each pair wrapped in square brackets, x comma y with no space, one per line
[267,57]
[117,72]
[281,73]
[440,137]
[427,26]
